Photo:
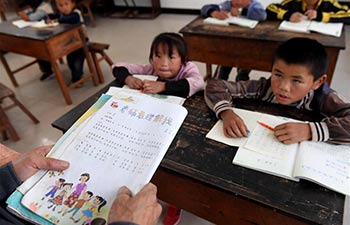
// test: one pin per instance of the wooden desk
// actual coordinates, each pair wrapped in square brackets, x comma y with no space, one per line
[248,48]
[48,44]
[197,175]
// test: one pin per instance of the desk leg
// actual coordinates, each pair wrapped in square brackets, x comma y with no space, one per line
[61,83]
[8,70]
[90,65]
[209,72]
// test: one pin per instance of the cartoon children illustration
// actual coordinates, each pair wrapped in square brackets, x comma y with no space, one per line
[57,201]
[54,188]
[79,204]
[92,210]
[78,189]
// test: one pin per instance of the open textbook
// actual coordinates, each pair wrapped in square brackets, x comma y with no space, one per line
[36,24]
[240,21]
[306,26]
[322,163]
[119,141]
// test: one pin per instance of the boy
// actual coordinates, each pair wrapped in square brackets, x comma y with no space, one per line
[318,10]
[298,79]
[252,9]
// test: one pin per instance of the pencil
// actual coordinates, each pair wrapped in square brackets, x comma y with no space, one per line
[266,126]
[141,90]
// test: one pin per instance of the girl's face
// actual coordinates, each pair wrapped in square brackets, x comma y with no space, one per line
[166,67]
[66,7]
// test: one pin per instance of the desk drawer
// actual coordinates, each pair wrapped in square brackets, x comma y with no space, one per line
[65,43]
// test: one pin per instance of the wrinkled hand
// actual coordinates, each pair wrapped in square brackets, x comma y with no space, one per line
[311,14]
[142,209]
[234,126]
[220,15]
[297,17]
[35,160]
[133,82]
[153,87]
[289,133]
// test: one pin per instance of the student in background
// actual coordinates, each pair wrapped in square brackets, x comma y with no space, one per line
[252,9]
[169,62]
[318,10]
[297,79]
[39,10]
[68,13]
[142,208]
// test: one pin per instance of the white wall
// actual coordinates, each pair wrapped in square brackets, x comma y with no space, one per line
[183,4]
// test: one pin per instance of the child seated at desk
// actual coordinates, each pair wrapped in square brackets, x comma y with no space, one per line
[176,76]
[168,60]
[318,10]
[252,9]
[68,13]
[297,79]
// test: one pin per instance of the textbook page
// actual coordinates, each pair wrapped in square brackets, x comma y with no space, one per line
[302,26]
[325,164]
[250,118]
[333,29]
[128,137]
[242,21]
[22,23]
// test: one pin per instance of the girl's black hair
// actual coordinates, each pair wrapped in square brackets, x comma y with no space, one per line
[85,175]
[171,41]
[102,202]
[306,52]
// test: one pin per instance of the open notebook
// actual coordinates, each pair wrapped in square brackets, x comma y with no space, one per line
[322,163]
[306,26]
[119,141]
[240,21]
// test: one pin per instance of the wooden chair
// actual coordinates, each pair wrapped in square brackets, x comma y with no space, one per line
[99,48]
[6,127]
[7,155]
[84,6]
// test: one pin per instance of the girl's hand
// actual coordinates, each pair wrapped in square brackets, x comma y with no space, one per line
[153,87]
[133,82]
[233,124]
[291,132]
[297,17]
[311,14]
[23,16]
[220,15]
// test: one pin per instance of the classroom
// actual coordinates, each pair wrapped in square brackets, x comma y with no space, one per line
[129,40]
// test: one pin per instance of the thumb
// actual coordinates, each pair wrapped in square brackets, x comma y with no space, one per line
[53,164]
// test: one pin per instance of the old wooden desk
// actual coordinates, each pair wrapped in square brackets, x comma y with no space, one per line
[198,176]
[48,44]
[248,48]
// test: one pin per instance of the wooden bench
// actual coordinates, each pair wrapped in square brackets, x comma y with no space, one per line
[99,48]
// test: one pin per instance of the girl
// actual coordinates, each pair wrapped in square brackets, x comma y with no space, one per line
[92,210]
[57,201]
[169,61]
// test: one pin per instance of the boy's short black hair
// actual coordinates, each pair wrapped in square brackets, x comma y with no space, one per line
[170,40]
[304,51]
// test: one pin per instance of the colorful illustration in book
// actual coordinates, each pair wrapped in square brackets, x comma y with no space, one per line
[92,211]
[34,206]
[57,201]
[79,204]
[78,190]
[114,104]
[54,188]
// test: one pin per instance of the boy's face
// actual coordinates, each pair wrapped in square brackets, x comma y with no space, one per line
[66,7]
[240,3]
[291,82]
[166,67]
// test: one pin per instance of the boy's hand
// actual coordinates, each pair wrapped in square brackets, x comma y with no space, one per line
[234,11]
[289,133]
[133,82]
[153,87]
[23,16]
[311,14]
[35,160]
[143,208]
[220,15]
[233,124]
[297,17]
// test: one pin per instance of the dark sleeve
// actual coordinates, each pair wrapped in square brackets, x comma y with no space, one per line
[282,11]
[9,181]
[122,223]
[179,88]
[72,18]
[120,73]
[208,9]
[53,16]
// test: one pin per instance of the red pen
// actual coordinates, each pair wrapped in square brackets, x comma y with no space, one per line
[266,126]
